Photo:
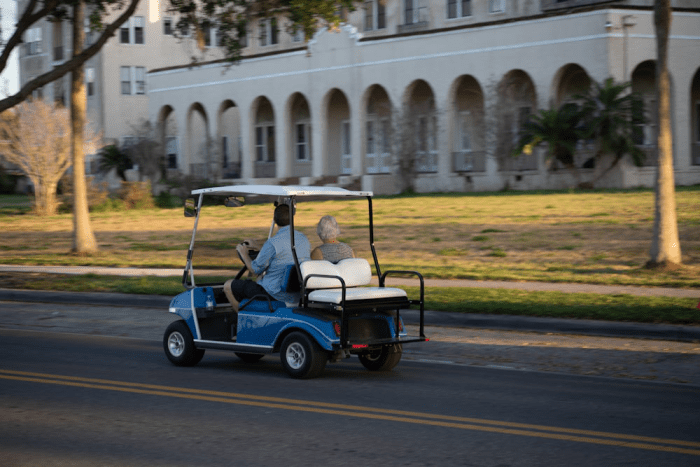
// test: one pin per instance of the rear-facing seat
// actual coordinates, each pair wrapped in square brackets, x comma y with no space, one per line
[323,288]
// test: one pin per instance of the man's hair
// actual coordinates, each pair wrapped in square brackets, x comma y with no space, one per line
[327,228]
[282,215]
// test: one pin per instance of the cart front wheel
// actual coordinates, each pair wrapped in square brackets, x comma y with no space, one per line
[301,356]
[179,345]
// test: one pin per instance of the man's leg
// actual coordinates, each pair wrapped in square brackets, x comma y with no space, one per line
[229,294]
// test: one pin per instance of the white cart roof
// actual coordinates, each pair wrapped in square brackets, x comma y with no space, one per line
[283,191]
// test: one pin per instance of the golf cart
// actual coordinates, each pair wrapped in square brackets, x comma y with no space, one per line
[337,314]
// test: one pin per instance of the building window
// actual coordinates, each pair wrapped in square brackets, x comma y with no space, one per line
[265,143]
[133,80]
[125,78]
[415,11]
[303,131]
[464,141]
[32,39]
[426,144]
[224,151]
[90,81]
[268,32]
[298,35]
[171,151]
[168,26]
[496,6]
[132,31]
[375,15]
[346,156]
[459,8]
[378,145]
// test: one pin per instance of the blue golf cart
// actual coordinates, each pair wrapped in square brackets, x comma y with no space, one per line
[338,313]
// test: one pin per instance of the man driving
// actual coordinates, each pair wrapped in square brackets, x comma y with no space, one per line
[274,260]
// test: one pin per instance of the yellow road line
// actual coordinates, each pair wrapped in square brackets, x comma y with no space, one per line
[520,429]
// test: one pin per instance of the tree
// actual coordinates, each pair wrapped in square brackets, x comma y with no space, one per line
[146,152]
[37,140]
[559,128]
[610,114]
[233,17]
[37,10]
[665,246]
[111,157]
[83,237]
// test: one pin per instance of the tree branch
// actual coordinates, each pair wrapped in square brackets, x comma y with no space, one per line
[75,62]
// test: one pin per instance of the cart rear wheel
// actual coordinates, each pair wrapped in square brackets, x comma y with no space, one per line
[383,359]
[301,356]
[179,345]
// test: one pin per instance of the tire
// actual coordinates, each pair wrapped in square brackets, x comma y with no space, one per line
[301,356]
[249,357]
[383,359]
[179,345]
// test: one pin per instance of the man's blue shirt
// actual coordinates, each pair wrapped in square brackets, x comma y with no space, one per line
[275,257]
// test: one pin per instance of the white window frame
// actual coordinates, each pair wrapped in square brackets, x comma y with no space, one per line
[90,81]
[128,31]
[32,39]
[172,149]
[497,6]
[168,26]
[136,80]
[377,145]
[305,145]
[269,33]
[426,143]
[345,147]
[459,8]
[373,20]
[262,149]
[417,9]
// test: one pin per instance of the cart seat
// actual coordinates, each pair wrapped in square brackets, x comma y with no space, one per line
[355,272]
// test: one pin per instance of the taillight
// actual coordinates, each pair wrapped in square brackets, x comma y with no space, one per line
[336,328]
[400,325]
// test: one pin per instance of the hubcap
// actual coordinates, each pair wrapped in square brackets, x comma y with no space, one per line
[296,355]
[176,344]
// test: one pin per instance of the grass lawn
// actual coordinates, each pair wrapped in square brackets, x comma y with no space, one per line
[598,237]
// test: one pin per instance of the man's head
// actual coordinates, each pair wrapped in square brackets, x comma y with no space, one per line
[282,215]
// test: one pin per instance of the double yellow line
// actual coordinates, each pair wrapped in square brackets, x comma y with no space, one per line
[420,418]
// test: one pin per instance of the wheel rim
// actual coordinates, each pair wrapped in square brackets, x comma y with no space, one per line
[176,344]
[296,355]
[373,356]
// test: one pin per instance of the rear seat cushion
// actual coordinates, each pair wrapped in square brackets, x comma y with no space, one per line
[354,271]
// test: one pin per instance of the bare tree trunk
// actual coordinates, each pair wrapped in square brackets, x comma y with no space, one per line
[665,246]
[83,239]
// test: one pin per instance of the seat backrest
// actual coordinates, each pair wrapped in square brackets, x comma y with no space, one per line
[354,271]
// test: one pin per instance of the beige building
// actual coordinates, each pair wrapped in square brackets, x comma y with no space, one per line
[431,91]
[116,78]
[444,83]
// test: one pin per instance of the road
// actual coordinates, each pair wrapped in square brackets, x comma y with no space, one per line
[113,399]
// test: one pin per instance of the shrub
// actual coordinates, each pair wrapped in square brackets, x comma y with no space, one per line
[136,195]
[97,193]
[166,200]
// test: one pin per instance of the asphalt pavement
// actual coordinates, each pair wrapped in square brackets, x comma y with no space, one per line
[432,318]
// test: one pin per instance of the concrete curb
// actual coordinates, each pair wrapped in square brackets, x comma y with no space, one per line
[432,318]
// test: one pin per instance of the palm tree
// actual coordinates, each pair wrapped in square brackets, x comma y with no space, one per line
[610,113]
[112,158]
[665,247]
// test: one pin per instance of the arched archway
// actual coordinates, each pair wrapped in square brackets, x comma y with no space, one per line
[229,139]
[377,132]
[467,143]
[199,142]
[168,137]
[517,100]
[645,131]
[570,80]
[338,148]
[263,116]
[300,135]
[419,126]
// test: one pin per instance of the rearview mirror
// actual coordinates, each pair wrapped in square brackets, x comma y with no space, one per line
[190,209]
[233,202]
